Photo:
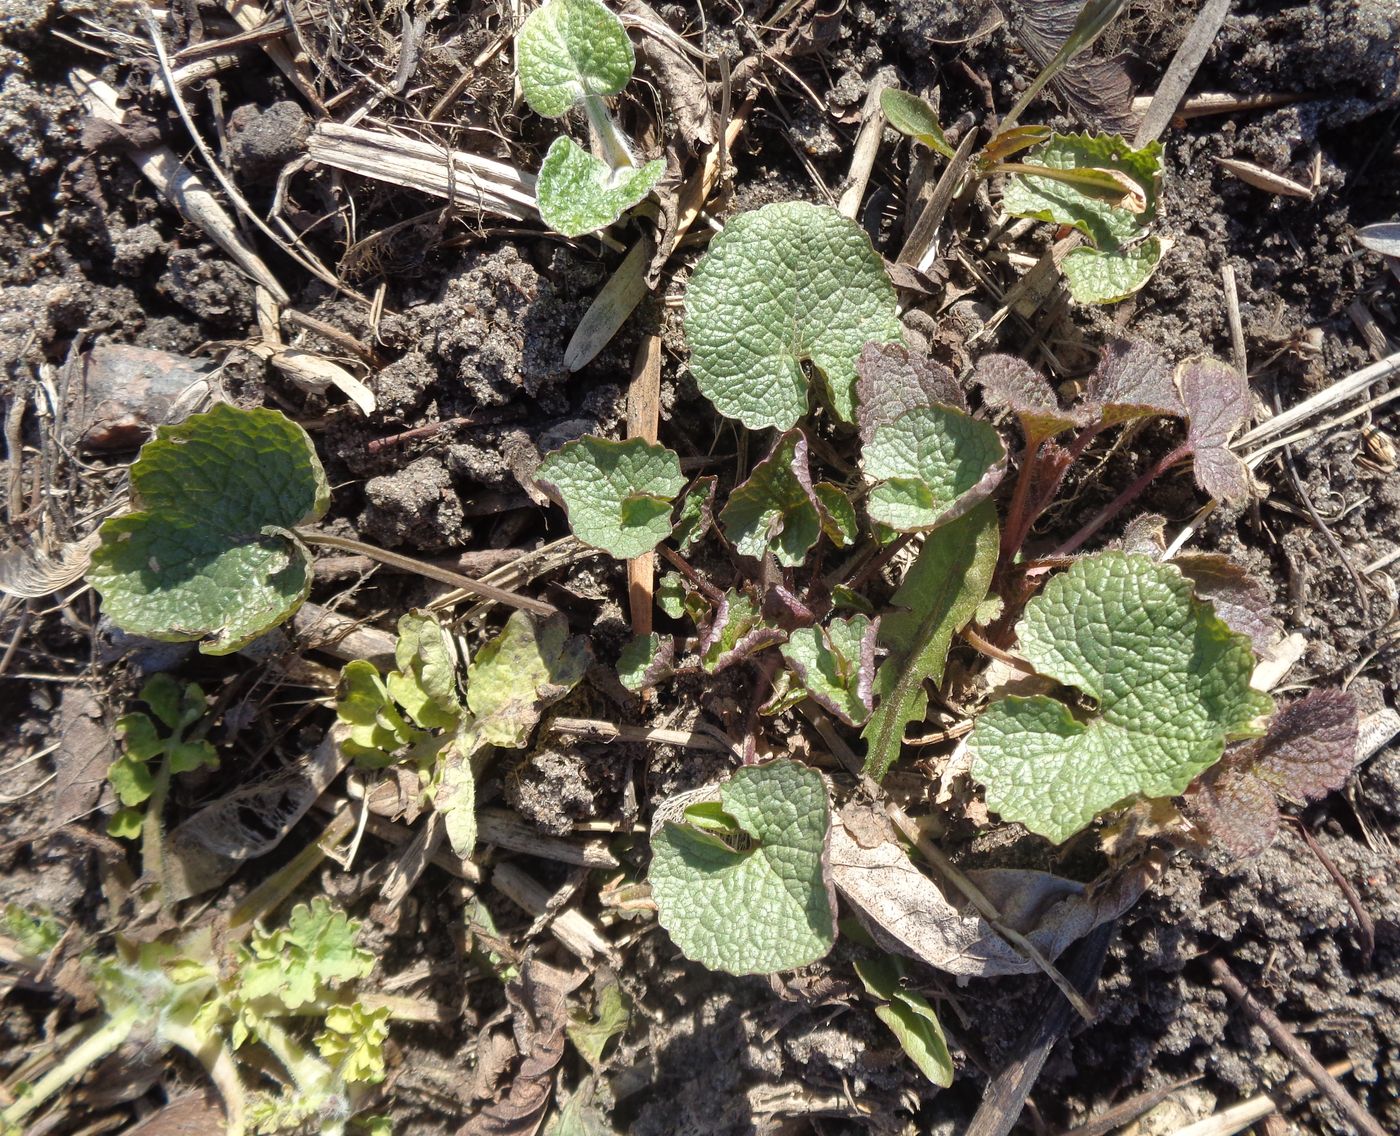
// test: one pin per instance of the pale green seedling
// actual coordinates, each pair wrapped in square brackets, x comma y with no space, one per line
[576,53]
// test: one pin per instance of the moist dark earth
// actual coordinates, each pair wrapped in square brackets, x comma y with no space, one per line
[469,326]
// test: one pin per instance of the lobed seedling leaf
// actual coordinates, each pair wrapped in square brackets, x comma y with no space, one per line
[618,494]
[569,50]
[353,1041]
[930,466]
[301,963]
[454,797]
[133,774]
[425,684]
[1308,752]
[912,116]
[893,380]
[529,665]
[590,1033]
[939,594]
[1169,679]
[736,630]
[836,665]
[776,509]
[741,884]
[1216,397]
[1010,382]
[378,729]
[208,551]
[578,193]
[788,284]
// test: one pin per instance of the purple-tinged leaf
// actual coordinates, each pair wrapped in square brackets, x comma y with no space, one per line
[697,515]
[1010,382]
[1241,600]
[1216,396]
[776,509]
[1133,380]
[737,631]
[893,381]
[1308,752]
[836,664]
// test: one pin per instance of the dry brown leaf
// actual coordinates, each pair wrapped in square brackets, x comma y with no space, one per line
[1261,178]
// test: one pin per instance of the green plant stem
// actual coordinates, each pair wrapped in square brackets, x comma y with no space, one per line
[616,152]
[1114,507]
[431,571]
[218,1062]
[309,1074]
[97,1045]
[153,829]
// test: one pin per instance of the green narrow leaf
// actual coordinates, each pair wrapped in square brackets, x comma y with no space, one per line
[578,193]
[618,494]
[939,595]
[208,552]
[909,1017]
[787,284]
[776,510]
[569,50]
[1170,681]
[912,116]
[758,908]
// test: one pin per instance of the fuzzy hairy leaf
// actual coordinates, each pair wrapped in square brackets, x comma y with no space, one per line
[1133,380]
[909,1017]
[568,50]
[353,1041]
[748,892]
[912,116]
[836,664]
[893,380]
[530,664]
[939,594]
[207,552]
[302,963]
[618,494]
[578,193]
[1010,382]
[1216,397]
[1099,276]
[1308,752]
[930,466]
[1241,599]
[1108,225]
[787,284]
[776,509]
[736,631]
[1170,681]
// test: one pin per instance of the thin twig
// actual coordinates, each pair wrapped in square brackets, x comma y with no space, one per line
[1181,71]
[1287,1044]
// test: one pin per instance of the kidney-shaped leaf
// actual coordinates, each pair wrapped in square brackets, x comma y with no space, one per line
[1171,683]
[618,494]
[569,49]
[578,193]
[931,465]
[741,885]
[784,285]
[207,552]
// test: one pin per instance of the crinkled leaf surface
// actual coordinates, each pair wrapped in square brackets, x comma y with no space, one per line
[939,594]
[909,1017]
[569,49]
[425,684]
[1100,276]
[1107,225]
[893,379]
[578,193]
[207,553]
[1242,600]
[1171,683]
[787,284]
[776,509]
[1133,380]
[736,631]
[530,664]
[1011,382]
[931,465]
[353,1041]
[301,962]
[455,796]
[697,513]
[618,494]
[757,900]
[836,664]
[1216,397]
[911,115]
[1308,752]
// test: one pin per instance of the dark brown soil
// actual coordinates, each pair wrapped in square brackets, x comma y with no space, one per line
[474,325]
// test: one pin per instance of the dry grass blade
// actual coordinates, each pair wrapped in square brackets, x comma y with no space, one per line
[1261,178]
[251,18]
[32,574]
[1338,392]
[1240,1116]
[467,180]
[1181,71]
[611,306]
[643,421]
[920,242]
[872,127]
[570,926]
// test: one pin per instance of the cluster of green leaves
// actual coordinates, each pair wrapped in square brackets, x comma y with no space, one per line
[288,993]
[419,715]
[575,53]
[150,758]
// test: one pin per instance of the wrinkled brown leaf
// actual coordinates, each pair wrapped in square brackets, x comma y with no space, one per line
[1133,380]
[1010,382]
[906,912]
[1216,397]
[892,381]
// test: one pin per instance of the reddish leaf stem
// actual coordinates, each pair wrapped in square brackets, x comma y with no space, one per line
[1114,507]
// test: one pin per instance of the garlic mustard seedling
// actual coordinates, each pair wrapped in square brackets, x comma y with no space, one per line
[576,53]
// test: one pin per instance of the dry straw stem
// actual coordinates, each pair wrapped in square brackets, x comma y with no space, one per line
[1240,1116]
[643,421]
[1338,392]
[570,926]
[251,18]
[467,180]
